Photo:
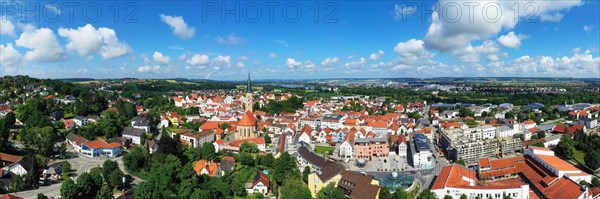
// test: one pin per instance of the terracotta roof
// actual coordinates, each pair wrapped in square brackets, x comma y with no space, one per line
[97,144]
[9,196]
[557,163]
[484,162]
[5,157]
[247,120]
[564,188]
[378,124]
[529,121]
[261,177]
[572,129]
[238,143]
[210,167]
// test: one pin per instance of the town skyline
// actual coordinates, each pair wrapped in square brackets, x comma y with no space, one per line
[384,40]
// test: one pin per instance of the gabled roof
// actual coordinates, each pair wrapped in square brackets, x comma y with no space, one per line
[247,120]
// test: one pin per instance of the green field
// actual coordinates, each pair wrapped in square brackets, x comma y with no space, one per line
[324,150]
[579,155]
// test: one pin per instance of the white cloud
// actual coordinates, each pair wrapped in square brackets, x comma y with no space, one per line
[199,60]
[43,42]
[587,28]
[9,56]
[511,40]
[88,40]
[6,26]
[148,68]
[411,51]
[493,58]
[472,53]
[160,58]
[291,63]
[230,39]
[309,65]
[355,64]
[272,55]
[180,28]
[376,56]
[243,58]
[328,62]
[401,11]
[221,61]
[452,27]
[240,64]
[551,17]
[55,8]
[576,65]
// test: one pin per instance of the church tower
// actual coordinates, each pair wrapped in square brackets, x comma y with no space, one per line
[249,99]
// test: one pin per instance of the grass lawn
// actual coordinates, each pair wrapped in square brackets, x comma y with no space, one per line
[324,150]
[578,155]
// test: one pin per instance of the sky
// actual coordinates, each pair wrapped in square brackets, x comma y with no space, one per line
[300,39]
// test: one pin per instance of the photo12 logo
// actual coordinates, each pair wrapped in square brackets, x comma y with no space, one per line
[90,12]
[270,11]
[468,11]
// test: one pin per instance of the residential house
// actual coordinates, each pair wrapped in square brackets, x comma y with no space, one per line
[347,146]
[135,134]
[402,146]
[367,148]
[260,184]
[100,147]
[141,123]
[80,121]
[358,185]
[204,167]
[227,164]
[19,165]
[195,138]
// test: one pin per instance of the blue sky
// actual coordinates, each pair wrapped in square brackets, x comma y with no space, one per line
[152,39]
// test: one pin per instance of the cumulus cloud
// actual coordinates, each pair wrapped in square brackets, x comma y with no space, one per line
[179,27]
[198,60]
[160,58]
[281,42]
[309,65]
[411,51]
[329,62]
[355,64]
[230,39]
[221,61]
[43,42]
[148,68]
[10,57]
[587,28]
[511,40]
[292,63]
[579,64]
[88,40]
[473,53]
[551,17]
[377,55]
[240,64]
[447,31]
[6,26]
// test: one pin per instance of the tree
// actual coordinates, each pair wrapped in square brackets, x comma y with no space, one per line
[447,197]
[105,193]
[266,160]
[401,193]
[267,138]
[534,137]
[596,182]
[384,193]
[284,168]
[305,174]
[460,161]
[85,185]
[246,159]
[427,194]
[109,167]
[506,197]
[41,140]
[208,151]
[332,192]
[249,147]
[168,145]
[225,126]
[41,196]
[66,170]
[62,151]
[115,179]
[592,159]
[542,134]
[463,196]
[68,189]
[539,144]
[136,159]
[294,190]
[565,147]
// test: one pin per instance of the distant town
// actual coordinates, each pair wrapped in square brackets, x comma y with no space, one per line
[467,138]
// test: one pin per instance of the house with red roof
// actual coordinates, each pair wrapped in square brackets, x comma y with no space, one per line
[260,184]
[210,168]
[100,147]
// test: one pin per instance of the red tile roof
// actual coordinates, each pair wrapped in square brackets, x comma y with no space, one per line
[211,167]
[247,120]
[98,144]
[9,196]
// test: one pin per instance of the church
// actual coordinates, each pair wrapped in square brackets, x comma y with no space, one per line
[247,127]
